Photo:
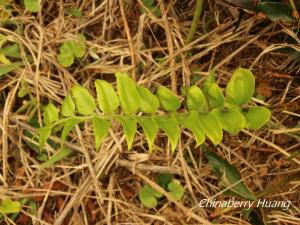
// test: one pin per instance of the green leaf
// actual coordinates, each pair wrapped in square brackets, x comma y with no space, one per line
[231,120]
[101,128]
[33,207]
[150,129]
[84,101]
[44,133]
[211,127]
[78,46]
[128,94]
[129,126]
[149,102]
[215,96]
[176,190]
[107,98]
[4,69]
[62,153]
[170,127]
[148,3]
[8,206]
[148,195]
[163,179]
[42,156]
[11,51]
[193,124]
[196,100]
[71,49]
[32,139]
[32,5]
[256,117]
[275,10]
[210,79]
[50,114]
[156,11]
[168,100]
[66,57]
[24,90]
[74,12]
[229,176]
[68,126]
[4,59]
[157,194]
[22,201]
[240,88]
[68,106]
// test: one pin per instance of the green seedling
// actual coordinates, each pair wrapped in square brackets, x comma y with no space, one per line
[4,69]
[175,189]
[8,206]
[275,10]
[29,106]
[32,5]
[148,196]
[9,51]
[23,202]
[150,5]
[74,12]
[70,50]
[207,111]
[229,178]
[62,153]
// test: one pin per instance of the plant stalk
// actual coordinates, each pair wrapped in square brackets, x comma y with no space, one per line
[196,18]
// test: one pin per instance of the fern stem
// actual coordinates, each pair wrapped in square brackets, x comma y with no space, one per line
[196,18]
[116,116]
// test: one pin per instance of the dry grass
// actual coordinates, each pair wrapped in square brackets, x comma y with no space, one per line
[101,187]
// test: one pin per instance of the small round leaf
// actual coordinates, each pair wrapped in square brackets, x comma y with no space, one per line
[211,127]
[84,101]
[256,117]
[215,96]
[240,88]
[168,100]
[196,99]
[107,97]
[128,94]
[149,102]
[68,106]
[50,114]
[147,196]
[231,120]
